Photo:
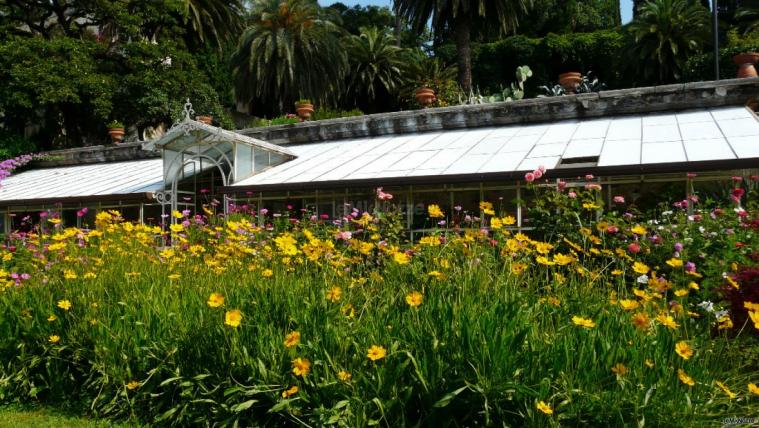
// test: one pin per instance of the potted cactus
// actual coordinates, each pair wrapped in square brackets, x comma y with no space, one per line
[116,131]
[304,108]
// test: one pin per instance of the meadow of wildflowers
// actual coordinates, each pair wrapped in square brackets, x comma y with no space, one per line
[599,316]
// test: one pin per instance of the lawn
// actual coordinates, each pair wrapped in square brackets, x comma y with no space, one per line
[25,417]
[598,316]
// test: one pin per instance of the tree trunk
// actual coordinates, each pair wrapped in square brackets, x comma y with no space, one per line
[462,34]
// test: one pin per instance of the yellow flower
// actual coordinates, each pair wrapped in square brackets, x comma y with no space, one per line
[132,385]
[401,258]
[69,274]
[641,321]
[684,378]
[724,388]
[590,206]
[495,223]
[376,353]
[545,408]
[751,306]
[508,220]
[638,230]
[752,388]
[724,323]
[301,367]
[54,339]
[232,318]
[290,392]
[667,321]
[215,300]
[434,211]
[583,322]
[683,349]
[334,294]
[344,376]
[52,318]
[176,228]
[437,275]
[693,286]
[649,363]
[620,369]
[414,299]
[754,315]
[267,273]
[629,305]
[486,206]
[640,268]
[562,259]
[174,276]
[616,272]
[518,268]
[675,263]
[177,214]
[64,304]
[681,292]
[292,339]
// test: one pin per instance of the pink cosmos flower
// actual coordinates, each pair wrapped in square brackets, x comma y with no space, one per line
[529,177]
[619,199]
[382,196]
[538,174]
[572,195]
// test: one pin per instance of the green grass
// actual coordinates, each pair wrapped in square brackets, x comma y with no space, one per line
[44,417]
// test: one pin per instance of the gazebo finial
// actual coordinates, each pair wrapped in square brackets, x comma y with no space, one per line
[188,111]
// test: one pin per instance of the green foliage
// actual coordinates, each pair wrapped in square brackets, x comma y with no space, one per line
[323,113]
[357,17]
[216,22]
[701,67]
[514,92]
[114,124]
[666,33]
[569,16]
[494,63]
[12,145]
[289,51]
[375,65]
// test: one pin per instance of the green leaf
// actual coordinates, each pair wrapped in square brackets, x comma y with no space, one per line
[447,398]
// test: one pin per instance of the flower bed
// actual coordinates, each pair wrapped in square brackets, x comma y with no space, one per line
[603,318]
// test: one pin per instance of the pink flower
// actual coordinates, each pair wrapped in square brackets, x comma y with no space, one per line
[589,177]
[561,185]
[529,177]
[572,195]
[382,196]
[737,194]
[634,248]
[538,174]
[737,179]
[344,235]
[592,186]
[692,175]
[542,169]
[619,199]
[612,229]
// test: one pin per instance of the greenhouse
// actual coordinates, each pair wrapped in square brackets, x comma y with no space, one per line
[636,143]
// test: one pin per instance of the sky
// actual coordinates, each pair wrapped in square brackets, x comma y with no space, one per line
[625,5]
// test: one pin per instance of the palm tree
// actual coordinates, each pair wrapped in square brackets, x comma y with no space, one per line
[214,21]
[288,52]
[666,33]
[374,63]
[462,17]
[748,19]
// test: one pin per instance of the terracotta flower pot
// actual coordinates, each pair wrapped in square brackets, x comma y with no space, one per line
[304,110]
[117,134]
[204,119]
[745,62]
[425,96]
[569,81]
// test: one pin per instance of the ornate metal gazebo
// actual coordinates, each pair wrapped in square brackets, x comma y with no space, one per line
[191,147]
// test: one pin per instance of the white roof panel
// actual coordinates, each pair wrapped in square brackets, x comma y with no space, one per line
[115,178]
[690,136]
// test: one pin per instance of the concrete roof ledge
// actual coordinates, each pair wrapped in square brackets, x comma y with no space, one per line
[617,102]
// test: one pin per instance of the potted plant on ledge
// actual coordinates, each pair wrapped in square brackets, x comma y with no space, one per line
[204,119]
[116,131]
[746,64]
[304,108]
